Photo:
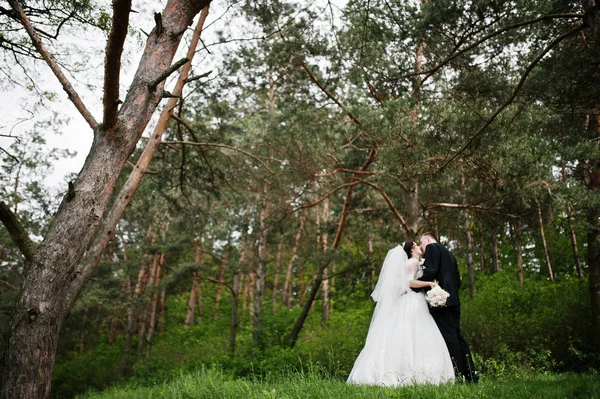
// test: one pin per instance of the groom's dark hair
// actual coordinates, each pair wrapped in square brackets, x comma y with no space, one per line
[430,234]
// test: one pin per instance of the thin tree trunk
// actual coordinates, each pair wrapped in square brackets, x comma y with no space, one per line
[276,276]
[189,319]
[154,305]
[541,221]
[132,312]
[519,244]
[495,262]
[287,286]
[325,307]
[470,262]
[251,284]
[162,319]
[263,259]
[234,311]
[221,280]
[481,250]
[82,336]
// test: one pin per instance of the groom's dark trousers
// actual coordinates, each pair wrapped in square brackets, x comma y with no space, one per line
[448,321]
[441,265]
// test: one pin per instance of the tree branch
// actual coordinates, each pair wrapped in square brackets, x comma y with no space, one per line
[153,85]
[428,73]
[37,42]
[207,144]
[389,202]
[528,70]
[112,62]
[17,232]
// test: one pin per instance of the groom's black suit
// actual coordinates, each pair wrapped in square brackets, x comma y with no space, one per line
[441,265]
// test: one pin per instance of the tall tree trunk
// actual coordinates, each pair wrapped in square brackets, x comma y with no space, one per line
[519,244]
[146,309]
[154,305]
[495,261]
[54,272]
[132,312]
[481,250]
[276,276]
[221,280]
[263,259]
[470,262]
[545,245]
[287,284]
[82,336]
[162,319]
[234,310]
[572,235]
[189,319]
[325,307]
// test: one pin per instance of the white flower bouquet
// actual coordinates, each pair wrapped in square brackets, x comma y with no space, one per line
[437,297]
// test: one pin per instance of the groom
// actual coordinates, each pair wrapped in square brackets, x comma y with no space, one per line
[441,265]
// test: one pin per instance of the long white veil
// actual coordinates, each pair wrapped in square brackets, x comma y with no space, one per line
[393,278]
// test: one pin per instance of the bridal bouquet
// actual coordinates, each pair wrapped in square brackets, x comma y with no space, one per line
[437,297]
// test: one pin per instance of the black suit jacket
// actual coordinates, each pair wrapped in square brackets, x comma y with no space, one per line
[441,265]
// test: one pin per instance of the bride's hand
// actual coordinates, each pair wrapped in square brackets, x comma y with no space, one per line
[432,285]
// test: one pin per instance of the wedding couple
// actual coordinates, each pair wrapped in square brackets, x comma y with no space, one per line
[409,343]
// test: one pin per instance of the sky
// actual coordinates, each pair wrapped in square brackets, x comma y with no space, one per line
[21,109]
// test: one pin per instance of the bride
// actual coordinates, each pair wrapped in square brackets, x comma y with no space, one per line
[404,345]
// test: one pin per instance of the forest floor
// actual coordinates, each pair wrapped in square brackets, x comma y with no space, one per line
[214,384]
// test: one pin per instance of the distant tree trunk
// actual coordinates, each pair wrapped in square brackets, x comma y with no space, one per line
[245,295]
[189,319]
[519,244]
[198,260]
[495,262]
[132,312]
[153,307]
[234,311]
[114,324]
[162,319]
[251,284]
[543,235]
[436,227]
[276,277]
[326,260]
[263,259]
[287,286]
[82,336]
[572,234]
[470,263]
[481,250]
[325,308]
[221,280]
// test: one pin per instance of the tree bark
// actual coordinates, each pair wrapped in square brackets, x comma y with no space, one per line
[495,262]
[519,244]
[263,259]
[153,307]
[287,286]
[234,311]
[221,280]
[470,262]
[189,319]
[276,276]
[54,276]
[545,245]
[325,307]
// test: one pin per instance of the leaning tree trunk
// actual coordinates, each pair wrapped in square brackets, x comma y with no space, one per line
[154,305]
[53,278]
[544,244]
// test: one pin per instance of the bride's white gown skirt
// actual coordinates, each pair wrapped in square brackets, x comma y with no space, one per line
[404,346]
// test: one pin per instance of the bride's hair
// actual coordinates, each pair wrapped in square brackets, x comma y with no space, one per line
[408,247]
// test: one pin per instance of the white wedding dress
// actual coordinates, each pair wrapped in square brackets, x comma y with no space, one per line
[404,345]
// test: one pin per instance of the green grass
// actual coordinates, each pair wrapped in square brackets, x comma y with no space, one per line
[214,384]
